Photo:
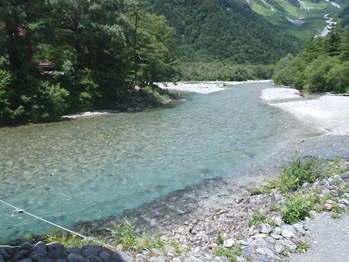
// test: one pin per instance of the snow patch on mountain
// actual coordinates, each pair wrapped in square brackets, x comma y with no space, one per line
[296,22]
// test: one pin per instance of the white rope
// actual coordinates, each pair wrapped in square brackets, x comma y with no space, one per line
[20,210]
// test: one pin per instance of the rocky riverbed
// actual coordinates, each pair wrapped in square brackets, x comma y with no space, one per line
[217,214]
[247,222]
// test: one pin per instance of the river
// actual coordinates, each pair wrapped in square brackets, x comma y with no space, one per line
[88,169]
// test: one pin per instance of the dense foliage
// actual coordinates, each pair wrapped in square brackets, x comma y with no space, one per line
[59,56]
[216,30]
[323,65]
[225,71]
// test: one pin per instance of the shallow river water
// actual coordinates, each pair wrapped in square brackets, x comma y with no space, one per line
[89,169]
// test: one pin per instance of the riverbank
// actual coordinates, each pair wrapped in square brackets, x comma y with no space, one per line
[328,113]
[196,217]
[204,87]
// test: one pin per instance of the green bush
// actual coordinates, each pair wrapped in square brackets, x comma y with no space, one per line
[297,207]
[298,172]
[10,105]
[48,102]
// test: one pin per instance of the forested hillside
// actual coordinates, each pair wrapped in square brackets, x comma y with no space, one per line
[323,65]
[211,30]
[301,18]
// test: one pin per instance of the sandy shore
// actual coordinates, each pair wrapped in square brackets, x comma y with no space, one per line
[205,87]
[328,113]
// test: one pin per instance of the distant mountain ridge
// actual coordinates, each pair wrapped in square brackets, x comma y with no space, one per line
[209,30]
[301,18]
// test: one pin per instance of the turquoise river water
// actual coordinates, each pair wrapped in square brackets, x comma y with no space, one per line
[89,169]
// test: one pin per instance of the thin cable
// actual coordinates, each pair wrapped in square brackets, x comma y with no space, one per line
[20,210]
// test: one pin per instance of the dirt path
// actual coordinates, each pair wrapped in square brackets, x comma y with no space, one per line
[330,240]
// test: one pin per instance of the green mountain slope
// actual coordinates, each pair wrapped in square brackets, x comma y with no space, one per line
[299,18]
[223,29]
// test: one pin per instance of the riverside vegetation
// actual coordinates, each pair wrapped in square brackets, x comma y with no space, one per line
[322,66]
[65,56]
[266,223]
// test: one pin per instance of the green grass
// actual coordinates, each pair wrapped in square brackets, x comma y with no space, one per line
[69,240]
[302,247]
[230,253]
[126,236]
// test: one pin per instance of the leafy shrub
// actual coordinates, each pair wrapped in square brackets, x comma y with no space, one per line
[48,102]
[298,172]
[10,108]
[297,208]
[159,96]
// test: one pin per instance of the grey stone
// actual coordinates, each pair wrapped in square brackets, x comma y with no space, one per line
[25,246]
[2,258]
[121,257]
[290,228]
[300,228]
[105,256]
[289,244]
[40,246]
[312,213]
[277,230]
[287,234]
[72,257]
[157,259]
[156,252]
[26,260]
[342,206]
[270,240]
[241,259]
[74,250]
[192,259]
[265,228]
[20,255]
[345,176]
[344,201]
[279,248]
[265,251]
[247,251]
[276,237]
[4,252]
[56,250]
[94,258]
[229,243]
[264,258]
[91,250]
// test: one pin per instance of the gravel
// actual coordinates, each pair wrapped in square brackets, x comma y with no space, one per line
[330,240]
